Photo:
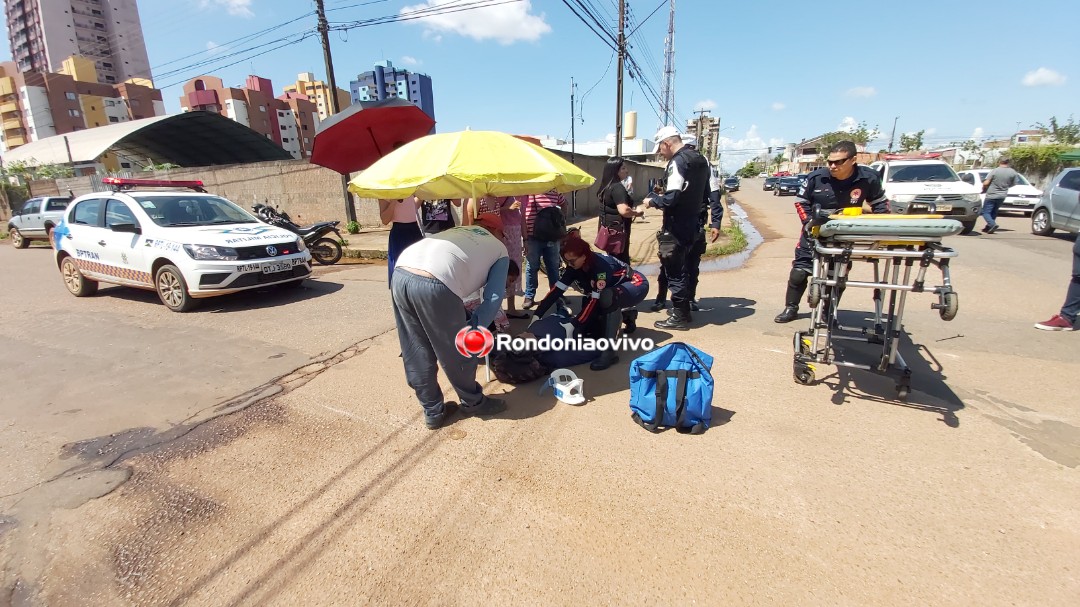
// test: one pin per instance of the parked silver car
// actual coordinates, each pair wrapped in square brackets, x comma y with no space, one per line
[35,219]
[1059,207]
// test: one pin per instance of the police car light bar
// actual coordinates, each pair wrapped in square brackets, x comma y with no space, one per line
[123,183]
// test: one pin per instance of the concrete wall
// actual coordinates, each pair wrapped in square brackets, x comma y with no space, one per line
[311,193]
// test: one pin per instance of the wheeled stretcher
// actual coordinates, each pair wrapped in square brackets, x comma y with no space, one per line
[900,248]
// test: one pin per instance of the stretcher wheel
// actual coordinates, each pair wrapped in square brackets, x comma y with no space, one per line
[804,375]
[813,296]
[902,392]
[950,304]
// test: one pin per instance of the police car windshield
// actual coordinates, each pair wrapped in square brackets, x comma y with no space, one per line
[192,210]
[790,180]
[923,172]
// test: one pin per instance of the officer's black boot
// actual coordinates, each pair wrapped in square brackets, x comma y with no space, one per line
[679,320]
[629,317]
[795,288]
[611,330]
[659,304]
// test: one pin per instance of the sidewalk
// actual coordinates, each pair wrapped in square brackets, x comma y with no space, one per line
[372,243]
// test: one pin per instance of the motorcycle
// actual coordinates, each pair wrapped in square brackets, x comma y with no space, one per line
[326,251]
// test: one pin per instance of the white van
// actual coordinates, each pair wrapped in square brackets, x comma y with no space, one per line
[929,186]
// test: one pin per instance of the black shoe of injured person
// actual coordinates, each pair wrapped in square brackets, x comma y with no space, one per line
[489,406]
[789,314]
[434,423]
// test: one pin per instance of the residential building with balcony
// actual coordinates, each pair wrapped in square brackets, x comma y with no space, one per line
[44,33]
[318,92]
[289,120]
[35,105]
[387,81]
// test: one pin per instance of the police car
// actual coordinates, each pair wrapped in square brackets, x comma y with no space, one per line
[177,240]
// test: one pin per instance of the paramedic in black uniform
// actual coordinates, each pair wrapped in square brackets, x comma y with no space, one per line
[686,187]
[842,184]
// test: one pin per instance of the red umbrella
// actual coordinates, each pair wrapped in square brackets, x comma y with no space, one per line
[353,139]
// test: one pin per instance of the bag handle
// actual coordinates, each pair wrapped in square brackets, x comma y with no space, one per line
[661,401]
[680,397]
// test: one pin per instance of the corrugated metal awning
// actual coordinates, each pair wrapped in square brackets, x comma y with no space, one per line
[187,139]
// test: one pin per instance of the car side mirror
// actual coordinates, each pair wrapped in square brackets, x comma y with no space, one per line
[126,227]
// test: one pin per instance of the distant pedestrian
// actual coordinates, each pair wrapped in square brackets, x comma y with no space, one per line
[1066,319]
[430,284]
[544,228]
[997,186]
[508,209]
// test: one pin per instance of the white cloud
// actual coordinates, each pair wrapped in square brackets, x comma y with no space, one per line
[706,104]
[848,124]
[750,145]
[861,91]
[978,133]
[777,106]
[504,23]
[1043,77]
[409,60]
[930,131]
[240,8]
[214,48]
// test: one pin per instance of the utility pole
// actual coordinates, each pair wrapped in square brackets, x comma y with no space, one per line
[573,153]
[618,100]
[668,102]
[892,135]
[324,36]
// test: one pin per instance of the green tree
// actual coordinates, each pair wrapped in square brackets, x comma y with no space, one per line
[860,135]
[160,167]
[750,169]
[1068,133]
[912,142]
[1038,159]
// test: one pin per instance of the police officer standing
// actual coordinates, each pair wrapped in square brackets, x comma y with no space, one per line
[843,184]
[687,186]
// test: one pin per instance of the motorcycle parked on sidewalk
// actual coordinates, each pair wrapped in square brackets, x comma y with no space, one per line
[326,251]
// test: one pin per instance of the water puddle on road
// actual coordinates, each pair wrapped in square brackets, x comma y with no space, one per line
[728,262]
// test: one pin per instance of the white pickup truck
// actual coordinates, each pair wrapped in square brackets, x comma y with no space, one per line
[35,219]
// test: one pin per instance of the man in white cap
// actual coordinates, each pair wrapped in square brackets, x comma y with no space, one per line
[687,186]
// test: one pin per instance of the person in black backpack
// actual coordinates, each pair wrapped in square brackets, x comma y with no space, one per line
[545,227]
[436,215]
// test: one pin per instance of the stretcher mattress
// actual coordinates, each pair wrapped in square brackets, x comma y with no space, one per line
[885,227]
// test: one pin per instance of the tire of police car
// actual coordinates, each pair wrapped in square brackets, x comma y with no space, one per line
[172,289]
[968,226]
[326,251]
[77,284]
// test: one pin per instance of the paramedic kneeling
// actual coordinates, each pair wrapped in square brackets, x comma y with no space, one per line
[842,184]
[612,286]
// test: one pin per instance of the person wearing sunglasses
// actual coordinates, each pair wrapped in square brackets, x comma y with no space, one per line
[842,183]
[611,284]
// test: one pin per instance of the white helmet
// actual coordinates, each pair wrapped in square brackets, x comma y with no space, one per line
[566,385]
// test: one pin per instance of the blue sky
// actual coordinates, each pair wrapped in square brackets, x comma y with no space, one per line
[777,72]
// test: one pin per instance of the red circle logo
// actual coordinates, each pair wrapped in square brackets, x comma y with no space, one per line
[474,342]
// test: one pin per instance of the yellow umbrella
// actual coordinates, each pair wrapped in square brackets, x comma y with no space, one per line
[468,164]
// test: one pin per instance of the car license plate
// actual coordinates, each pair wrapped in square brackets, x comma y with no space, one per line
[943,207]
[277,266]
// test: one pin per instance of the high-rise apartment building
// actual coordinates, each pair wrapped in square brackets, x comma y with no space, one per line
[35,105]
[43,33]
[707,131]
[289,120]
[386,81]
[318,92]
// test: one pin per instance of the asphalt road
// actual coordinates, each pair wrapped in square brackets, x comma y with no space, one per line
[332,491]
[104,375]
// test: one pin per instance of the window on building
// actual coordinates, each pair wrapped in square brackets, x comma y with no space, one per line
[71,96]
[113,119]
[284,140]
[125,165]
[283,127]
[306,141]
[304,127]
[106,64]
[262,108]
[134,103]
[73,112]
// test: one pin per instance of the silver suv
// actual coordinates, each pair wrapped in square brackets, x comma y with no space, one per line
[1059,207]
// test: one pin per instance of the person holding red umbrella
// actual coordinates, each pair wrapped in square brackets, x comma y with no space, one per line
[400,215]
